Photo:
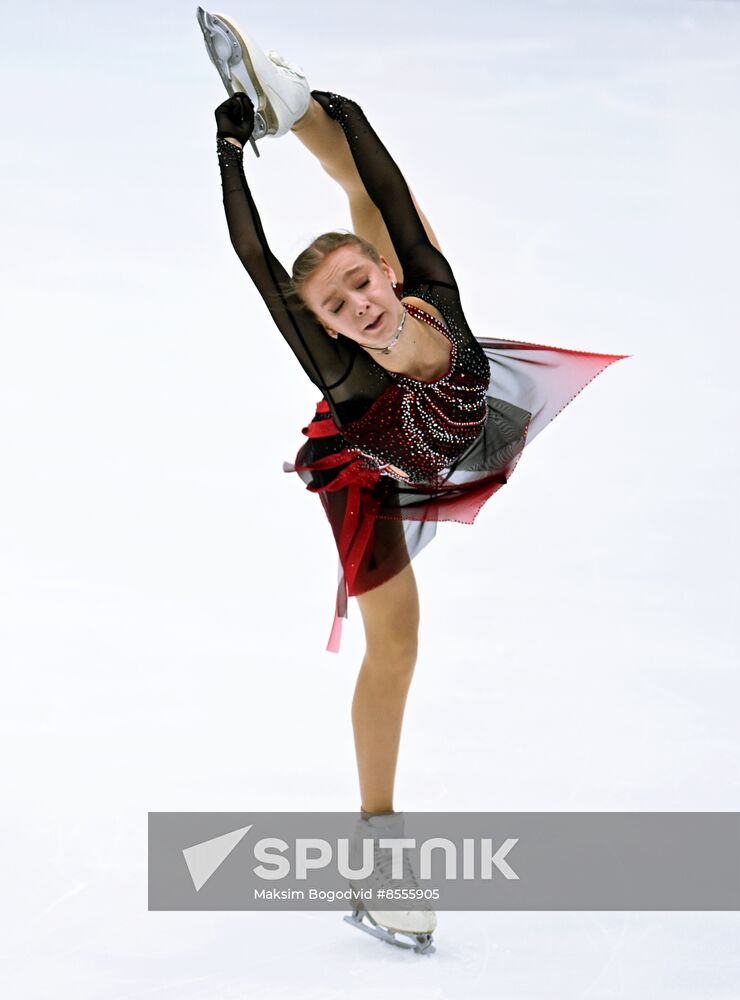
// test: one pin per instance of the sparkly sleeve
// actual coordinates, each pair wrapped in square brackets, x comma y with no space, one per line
[348,378]
[385,184]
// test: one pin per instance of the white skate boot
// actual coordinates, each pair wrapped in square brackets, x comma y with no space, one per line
[416,924]
[278,89]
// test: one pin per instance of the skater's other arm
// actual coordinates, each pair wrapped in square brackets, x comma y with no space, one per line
[387,187]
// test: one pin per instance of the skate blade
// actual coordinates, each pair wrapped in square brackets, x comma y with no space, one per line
[226,51]
[229,53]
[420,943]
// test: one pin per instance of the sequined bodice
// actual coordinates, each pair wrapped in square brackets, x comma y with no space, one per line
[422,426]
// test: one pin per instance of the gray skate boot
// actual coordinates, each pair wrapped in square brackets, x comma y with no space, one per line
[417,924]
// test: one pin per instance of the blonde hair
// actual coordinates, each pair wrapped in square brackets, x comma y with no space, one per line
[309,260]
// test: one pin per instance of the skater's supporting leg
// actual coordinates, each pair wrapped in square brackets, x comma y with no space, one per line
[325,139]
[390,615]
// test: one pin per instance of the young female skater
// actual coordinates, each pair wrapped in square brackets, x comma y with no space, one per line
[419,421]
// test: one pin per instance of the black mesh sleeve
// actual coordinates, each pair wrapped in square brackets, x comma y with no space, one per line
[385,184]
[349,379]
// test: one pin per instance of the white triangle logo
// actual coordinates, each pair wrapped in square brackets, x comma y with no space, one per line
[203,859]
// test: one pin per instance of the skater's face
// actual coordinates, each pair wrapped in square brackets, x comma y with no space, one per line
[350,294]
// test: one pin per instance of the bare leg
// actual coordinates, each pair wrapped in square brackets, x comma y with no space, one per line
[390,614]
[324,137]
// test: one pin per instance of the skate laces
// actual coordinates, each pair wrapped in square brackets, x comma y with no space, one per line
[280,61]
[383,865]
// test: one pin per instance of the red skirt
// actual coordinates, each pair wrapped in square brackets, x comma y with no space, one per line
[380,523]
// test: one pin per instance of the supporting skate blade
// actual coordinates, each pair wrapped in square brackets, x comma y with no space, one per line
[420,943]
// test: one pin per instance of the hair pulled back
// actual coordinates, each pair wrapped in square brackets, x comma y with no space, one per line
[316,252]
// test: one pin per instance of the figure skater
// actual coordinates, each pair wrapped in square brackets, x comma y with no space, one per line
[419,421]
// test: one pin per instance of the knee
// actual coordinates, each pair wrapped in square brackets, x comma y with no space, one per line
[392,659]
[391,618]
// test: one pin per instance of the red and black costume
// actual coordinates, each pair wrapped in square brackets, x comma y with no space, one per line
[459,437]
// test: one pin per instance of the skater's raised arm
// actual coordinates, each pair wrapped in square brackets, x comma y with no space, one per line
[347,377]
[387,187]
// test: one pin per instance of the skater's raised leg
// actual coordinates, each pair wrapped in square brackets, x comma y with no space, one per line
[282,98]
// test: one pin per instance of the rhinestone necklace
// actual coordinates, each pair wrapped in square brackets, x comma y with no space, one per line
[388,348]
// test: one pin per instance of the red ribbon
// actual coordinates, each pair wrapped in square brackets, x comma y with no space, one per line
[359,514]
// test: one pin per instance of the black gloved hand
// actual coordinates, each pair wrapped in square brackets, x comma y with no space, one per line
[235,118]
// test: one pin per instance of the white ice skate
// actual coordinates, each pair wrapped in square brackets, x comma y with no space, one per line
[416,925]
[278,89]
